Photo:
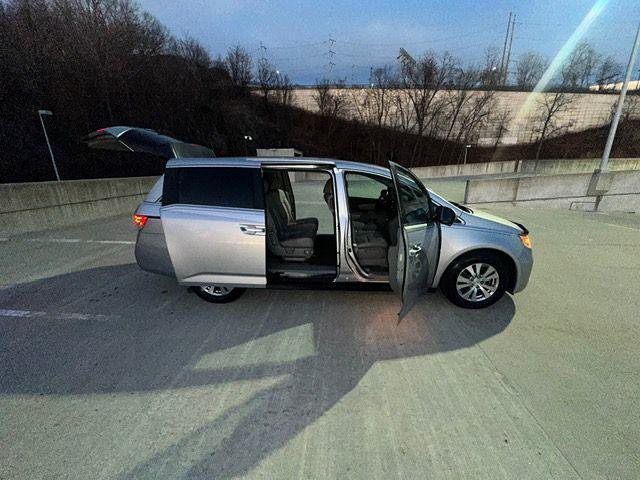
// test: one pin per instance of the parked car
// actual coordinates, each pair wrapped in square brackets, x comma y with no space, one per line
[221,225]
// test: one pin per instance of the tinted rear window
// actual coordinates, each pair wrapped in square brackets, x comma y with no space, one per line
[214,186]
[149,142]
[190,150]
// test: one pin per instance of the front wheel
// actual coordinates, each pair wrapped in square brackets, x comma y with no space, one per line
[476,281]
[218,293]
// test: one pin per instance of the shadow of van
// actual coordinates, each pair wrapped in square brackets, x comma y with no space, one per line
[143,333]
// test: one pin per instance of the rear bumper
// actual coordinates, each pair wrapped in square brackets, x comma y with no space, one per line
[151,250]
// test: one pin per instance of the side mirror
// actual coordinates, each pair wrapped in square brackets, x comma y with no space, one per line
[445,215]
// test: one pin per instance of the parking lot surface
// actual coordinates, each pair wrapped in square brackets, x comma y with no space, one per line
[108,372]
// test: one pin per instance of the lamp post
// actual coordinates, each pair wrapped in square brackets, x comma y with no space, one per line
[604,162]
[247,139]
[466,148]
[53,160]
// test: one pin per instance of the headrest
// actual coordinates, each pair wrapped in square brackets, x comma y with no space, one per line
[328,187]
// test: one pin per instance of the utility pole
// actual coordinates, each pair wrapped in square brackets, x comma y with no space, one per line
[508,59]
[604,163]
[53,160]
[504,48]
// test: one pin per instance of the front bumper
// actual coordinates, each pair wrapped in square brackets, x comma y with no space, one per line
[524,267]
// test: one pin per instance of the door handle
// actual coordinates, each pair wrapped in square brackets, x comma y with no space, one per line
[252,229]
[416,249]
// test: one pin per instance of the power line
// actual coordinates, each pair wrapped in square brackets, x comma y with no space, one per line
[420,42]
[300,45]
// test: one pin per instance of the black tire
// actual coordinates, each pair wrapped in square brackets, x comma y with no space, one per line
[449,281]
[206,293]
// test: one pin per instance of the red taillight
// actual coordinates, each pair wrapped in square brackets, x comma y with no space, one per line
[140,220]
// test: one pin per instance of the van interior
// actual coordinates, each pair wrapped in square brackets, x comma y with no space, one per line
[301,224]
[301,228]
[374,221]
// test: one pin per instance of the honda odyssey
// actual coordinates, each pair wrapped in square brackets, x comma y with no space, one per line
[221,225]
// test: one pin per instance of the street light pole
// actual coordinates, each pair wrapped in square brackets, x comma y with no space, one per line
[53,160]
[247,139]
[604,163]
[466,148]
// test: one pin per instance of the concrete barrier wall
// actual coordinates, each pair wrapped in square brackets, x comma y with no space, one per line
[571,191]
[470,169]
[537,167]
[26,207]
[578,165]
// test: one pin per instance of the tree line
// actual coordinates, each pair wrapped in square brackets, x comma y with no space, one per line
[97,63]
[436,96]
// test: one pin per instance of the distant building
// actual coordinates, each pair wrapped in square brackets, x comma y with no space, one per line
[278,152]
[633,85]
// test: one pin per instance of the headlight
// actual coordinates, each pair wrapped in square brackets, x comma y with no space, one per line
[526,241]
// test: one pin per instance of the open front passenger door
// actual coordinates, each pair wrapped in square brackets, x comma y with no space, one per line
[418,239]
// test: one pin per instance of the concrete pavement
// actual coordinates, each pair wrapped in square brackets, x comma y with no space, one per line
[109,372]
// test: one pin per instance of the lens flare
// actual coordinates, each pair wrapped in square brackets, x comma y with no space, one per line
[561,57]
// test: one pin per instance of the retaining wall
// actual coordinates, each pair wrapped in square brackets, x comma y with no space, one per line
[538,167]
[571,191]
[26,207]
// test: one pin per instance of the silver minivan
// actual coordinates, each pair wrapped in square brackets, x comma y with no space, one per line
[222,225]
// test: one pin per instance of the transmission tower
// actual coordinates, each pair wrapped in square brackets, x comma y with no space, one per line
[330,55]
[263,52]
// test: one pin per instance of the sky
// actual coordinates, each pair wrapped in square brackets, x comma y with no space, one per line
[298,36]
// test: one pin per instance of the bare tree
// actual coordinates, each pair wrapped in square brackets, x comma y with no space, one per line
[609,72]
[422,81]
[630,109]
[283,90]
[267,78]
[402,110]
[465,80]
[530,68]
[580,68]
[239,65]
[331,101]
[475,116]
[550,122]
[501,122]
[379,96]
[491,68]
[373,107]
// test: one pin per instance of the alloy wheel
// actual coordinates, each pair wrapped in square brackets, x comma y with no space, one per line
[216,290]
[477,282]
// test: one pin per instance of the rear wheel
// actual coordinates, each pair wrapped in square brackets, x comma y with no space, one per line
[475,281]
[219,293]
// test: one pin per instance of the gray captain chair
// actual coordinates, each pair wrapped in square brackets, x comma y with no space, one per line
[287,238]
[370,247]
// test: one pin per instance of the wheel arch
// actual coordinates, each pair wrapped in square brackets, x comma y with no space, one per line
[507,260]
